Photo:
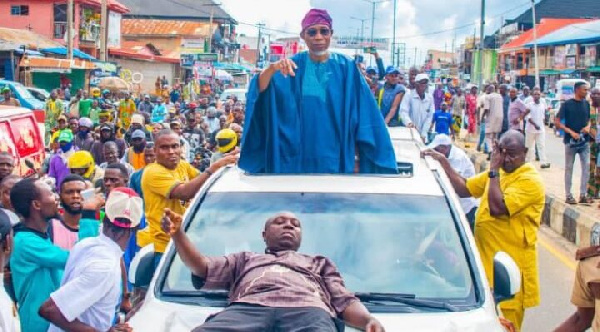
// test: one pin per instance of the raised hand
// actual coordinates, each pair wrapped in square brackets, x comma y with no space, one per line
[171,222]
[285,66]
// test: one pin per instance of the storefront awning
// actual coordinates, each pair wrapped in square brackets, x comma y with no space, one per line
[568,71]
[549,72]
[51,65]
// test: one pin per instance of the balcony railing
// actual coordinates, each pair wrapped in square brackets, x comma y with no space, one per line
[60,28]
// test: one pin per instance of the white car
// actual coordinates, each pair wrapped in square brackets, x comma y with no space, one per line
[401,243]
[239,93]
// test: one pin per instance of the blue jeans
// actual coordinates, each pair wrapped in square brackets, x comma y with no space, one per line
[482,138]
[584,159]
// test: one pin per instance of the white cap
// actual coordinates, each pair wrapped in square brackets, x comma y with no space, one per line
[440,139]
[124,203]
[421,77]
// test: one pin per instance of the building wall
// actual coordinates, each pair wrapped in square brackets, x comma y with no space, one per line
[40,18]
[150,70]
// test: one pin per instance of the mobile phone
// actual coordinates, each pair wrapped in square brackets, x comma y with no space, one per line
[88,194]
[370,50]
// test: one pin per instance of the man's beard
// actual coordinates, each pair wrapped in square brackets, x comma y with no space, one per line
[71,210]
[319,53]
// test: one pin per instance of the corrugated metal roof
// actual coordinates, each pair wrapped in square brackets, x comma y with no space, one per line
[148,27]
[572,34]
[546,26]
[189,10]
[14,38]
[560,9]
[140,50]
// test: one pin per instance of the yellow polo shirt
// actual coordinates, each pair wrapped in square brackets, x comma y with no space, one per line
[515,234]
[157,184]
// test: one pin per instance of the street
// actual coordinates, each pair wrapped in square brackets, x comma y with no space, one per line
[556,268]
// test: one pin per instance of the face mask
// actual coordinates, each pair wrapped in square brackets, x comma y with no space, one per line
[82,133]
[66,147]
[140,149]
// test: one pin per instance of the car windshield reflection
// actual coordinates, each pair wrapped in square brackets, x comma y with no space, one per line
[381,243]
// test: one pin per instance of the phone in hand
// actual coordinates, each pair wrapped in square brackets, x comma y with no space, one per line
[370,50]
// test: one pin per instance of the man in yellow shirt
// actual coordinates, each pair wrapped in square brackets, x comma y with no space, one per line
[169,183]
[126,110]
[512,202]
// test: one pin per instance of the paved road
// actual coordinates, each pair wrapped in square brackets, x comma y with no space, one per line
[557,267]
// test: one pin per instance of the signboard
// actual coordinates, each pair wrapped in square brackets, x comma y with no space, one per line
[357,43]
[189,59]
[203,69]
[114,30]
[559,57]
[197,44]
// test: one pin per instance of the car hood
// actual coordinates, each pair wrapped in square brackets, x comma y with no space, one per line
[161,316]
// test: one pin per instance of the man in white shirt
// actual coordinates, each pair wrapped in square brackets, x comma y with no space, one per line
[493,115]
[417,108]
[9,318]
[461,163]
[534,129]
[90,291]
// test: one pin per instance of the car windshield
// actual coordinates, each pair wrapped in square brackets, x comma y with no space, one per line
[380,243]
[24,93]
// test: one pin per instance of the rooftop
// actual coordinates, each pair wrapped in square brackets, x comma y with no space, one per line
[15,38]
[546,26]
[185,10]
[560,9]
[168,51]
[113,5]
[581,33]
[153,27]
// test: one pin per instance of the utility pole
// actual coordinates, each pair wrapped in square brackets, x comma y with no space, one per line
[394,34]
[362,27]
[481,45]
[210,29]
[535,46]
[260,26]
[70,29]
[374,3]
[103,24]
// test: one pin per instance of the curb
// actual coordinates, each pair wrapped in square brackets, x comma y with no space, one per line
[566,221]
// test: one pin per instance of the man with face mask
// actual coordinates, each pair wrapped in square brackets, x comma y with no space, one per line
[134,155]
[512,200]
[58,163]
[36,263]
[107,134]
[333,120]
[84,139]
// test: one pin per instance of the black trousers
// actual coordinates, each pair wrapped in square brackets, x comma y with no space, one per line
[253,318]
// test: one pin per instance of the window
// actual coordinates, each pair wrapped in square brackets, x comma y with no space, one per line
[17,10]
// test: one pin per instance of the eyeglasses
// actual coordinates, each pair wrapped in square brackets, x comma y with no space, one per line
[323,31]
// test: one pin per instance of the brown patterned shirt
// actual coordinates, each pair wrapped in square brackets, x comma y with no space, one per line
[282,279]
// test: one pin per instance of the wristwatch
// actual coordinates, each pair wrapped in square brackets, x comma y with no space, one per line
[493,174]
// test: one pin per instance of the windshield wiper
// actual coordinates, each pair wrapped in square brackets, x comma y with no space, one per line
[408,299]
[217,295]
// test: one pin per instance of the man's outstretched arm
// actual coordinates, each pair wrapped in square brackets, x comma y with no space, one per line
[191,257]
[356,315]
[285,66]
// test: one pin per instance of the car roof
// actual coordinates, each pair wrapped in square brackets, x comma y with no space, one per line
[422,181]
[4,82]
[9,111]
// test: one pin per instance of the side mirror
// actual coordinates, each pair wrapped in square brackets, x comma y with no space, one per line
[141,268]
[507,277]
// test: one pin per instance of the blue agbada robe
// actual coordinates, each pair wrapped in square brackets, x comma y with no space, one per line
[315,121]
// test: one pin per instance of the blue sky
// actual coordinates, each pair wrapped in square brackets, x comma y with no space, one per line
[418,22]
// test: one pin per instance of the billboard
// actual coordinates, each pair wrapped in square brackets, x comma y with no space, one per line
[358,43]
[114,30]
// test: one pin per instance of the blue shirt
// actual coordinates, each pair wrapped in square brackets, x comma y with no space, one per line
[385,100]
[37,266]
[442,122]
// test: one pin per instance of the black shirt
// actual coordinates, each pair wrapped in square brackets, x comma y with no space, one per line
[575,114]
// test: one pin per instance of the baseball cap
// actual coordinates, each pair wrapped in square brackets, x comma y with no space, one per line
[440,139]
[192,105]
[421,77]
[62,117]
[138,134]
[124,203]
[392,70]
[5,225]
[86,122]
[5,89]
[137,119]
[371,70]
[105,126]
[65,136]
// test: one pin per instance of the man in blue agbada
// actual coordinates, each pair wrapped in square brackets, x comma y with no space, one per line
[314,113]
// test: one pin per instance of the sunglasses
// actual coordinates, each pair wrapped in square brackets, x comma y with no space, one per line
[323,31]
